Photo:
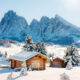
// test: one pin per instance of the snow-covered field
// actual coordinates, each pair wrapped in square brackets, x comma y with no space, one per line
[48,74]
[57,50]
[11,50]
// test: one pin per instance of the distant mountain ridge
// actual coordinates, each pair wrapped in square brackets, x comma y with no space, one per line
[56,30]
[13,27]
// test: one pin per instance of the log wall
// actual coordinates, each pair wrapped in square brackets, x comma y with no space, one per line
[38,58]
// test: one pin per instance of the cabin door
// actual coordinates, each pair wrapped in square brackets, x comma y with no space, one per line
[35,64]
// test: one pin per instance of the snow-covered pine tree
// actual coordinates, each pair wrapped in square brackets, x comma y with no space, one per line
[69,65]
[40,47]
[30,69]
[23,69]
[5,55]
[72,53]
[64,76]
[1,54]
[29,46]
[29,39]
[51,56]
[10,76]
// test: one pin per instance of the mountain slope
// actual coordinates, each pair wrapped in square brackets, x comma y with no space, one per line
[56,30]
[13,27]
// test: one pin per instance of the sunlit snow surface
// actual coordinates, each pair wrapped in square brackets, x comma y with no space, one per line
[11,50]
[48,74]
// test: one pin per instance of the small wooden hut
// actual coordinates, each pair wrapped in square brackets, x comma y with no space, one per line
[34,60]
[58,63]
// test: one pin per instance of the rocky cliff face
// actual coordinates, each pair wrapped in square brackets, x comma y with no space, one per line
[56,30]
[13,27]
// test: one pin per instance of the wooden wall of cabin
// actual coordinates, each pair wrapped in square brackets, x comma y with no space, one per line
[15,63]
[37,58]
[59,61]
[18,63]
[12,64]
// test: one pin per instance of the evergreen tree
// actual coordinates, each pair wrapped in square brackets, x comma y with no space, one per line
[1,54]
[24,69]
[30,69]
[72,53]
[69,65]
[29,39]
[29,46]
[40,47]
[5,55]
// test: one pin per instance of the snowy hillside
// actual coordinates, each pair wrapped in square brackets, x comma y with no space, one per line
[56,30]
[11,50]
[48,74]
[59,51]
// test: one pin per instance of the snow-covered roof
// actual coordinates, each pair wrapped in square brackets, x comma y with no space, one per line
[24,55]
[55,58]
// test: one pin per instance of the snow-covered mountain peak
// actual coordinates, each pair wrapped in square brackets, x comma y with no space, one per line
[62,20]
[44,19]
[34,21]
[58,17]
[13,26]
[56,30]
[10,14]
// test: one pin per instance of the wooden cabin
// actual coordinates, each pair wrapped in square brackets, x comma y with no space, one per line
[34,60]
[58,63]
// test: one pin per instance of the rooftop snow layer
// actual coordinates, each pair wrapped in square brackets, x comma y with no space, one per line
[24,55]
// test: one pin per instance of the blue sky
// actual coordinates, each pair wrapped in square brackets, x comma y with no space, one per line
[68,9]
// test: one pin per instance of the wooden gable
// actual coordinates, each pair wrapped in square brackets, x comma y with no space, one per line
[57,62]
